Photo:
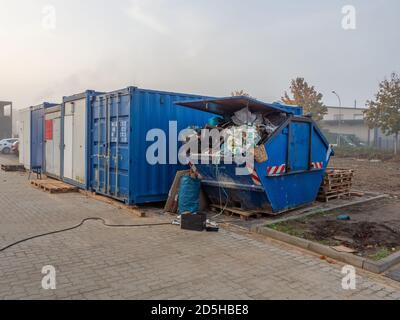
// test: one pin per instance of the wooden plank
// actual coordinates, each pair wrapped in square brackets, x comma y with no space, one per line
[53,186]
[244,215]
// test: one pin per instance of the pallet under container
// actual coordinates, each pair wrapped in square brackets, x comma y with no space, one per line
[287,176]
[125,126]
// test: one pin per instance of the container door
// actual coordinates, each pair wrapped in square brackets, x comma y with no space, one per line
[75,141]
[300,146]
[68,138]
[24,136]
[37,138]
[110,146]
[79,142]
[99,146]
[118,147]
[49,146]
[53,143]
[21,139]
[57,146]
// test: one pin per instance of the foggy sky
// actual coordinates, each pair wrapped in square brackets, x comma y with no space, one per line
[198,46]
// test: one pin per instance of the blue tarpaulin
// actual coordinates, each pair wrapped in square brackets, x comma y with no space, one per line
[189,195]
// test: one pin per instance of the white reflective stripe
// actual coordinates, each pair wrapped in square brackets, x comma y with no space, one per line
[318,165]
[256,180]
[281,168]
[276,170]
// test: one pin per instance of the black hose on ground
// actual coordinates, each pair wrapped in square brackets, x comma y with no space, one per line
[92,219]
[78,226]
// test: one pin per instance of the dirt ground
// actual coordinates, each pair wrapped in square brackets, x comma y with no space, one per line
[383,177]
[373,231]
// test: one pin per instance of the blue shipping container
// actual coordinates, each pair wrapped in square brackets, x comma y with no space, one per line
[289,174]
[119,124]
[37,134]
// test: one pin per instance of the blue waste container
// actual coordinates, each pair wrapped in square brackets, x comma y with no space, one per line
[289,175]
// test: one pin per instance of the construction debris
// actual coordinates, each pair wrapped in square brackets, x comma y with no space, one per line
[12,168]
[245,130]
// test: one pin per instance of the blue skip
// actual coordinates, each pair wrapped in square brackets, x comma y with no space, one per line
[287,175]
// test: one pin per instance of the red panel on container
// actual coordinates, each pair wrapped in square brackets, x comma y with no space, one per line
[49,130]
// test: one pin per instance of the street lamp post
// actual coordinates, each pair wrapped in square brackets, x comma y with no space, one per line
[340,116]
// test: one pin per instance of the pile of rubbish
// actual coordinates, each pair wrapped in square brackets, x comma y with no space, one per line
[242,131]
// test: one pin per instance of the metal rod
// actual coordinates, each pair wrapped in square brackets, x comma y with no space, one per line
[108,143]
[289,141]
[117,147]
[340,116]
[310,154]
[98,144]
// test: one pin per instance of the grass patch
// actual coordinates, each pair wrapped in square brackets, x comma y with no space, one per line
[381,254]
[288,229]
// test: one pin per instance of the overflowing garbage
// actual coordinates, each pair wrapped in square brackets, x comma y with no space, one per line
[239,133]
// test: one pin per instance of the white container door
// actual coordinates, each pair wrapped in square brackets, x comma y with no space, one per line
[75,141]
[25,138]
[21,134]
[57,146]
[68,137]
[53,143]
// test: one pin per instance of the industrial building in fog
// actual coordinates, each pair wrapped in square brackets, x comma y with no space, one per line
[351,121]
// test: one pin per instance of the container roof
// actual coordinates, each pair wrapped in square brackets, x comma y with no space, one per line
[44,105]
[230,105]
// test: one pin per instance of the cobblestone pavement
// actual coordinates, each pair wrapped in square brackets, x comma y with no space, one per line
[96,262]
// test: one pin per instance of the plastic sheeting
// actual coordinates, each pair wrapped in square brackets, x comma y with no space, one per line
[189,195]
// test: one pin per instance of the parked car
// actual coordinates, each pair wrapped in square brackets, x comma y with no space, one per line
[15,147]
[6,145]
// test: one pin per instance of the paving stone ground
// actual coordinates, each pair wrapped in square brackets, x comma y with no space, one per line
[164,262]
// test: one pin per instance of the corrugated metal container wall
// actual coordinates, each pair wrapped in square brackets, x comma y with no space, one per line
[37,134]
[24,133]
[75,122]
[37,117]
[52,137]
[120,121]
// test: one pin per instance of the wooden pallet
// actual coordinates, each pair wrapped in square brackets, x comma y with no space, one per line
[53,186]
[337,187]
[12,168]
[327,198]
[244,215]
[337,184]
